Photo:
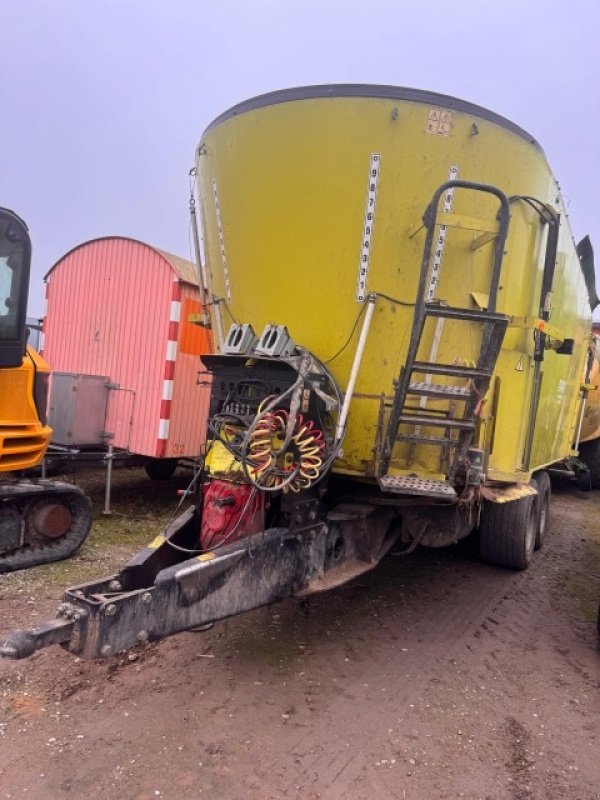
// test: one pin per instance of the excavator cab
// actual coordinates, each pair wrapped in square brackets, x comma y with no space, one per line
[15,263]
[24,376]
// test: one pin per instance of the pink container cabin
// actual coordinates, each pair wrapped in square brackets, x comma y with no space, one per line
[119,309]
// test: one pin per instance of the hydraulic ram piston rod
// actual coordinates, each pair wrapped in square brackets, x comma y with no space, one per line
[360,349]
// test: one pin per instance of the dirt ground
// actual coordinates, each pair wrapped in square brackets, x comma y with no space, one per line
[435,676]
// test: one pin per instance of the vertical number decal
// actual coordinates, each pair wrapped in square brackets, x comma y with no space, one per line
[221,241]
[365,250]
[434,275]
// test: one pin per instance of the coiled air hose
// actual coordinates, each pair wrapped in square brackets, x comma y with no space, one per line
[292,468]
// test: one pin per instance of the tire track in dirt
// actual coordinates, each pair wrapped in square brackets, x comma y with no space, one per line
[414,681]
[478,621]
[440,630]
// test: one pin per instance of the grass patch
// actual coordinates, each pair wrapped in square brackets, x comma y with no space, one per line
[140,507]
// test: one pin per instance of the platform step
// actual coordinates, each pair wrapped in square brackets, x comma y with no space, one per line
[438,390]
[437,422]
[417,438]
[420,487]
[453,370]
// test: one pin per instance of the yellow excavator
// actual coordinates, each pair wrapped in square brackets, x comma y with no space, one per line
[40,520]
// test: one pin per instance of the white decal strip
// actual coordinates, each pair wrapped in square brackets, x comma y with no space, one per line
[436,266]
[434,279]
[163,429]
[221,241]
[365,250]
[175,314]
[167,391]
[171,354]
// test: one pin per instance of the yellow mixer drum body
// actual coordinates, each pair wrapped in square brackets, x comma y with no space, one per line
[312,203]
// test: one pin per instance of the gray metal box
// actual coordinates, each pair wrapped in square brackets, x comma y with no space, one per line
[77,411]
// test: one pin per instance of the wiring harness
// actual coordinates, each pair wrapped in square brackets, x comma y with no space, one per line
[279,448]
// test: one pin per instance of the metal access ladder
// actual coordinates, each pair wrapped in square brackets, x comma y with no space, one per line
[417,377]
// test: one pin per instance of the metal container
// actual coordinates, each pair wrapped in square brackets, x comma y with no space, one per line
[77,413]
[313,198]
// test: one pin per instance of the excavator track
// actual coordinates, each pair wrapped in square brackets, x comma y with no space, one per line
[40,522]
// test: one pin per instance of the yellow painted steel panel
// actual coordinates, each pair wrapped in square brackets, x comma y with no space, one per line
[283,190]
[24,439]
[590,428]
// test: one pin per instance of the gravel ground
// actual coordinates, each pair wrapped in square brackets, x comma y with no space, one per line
[434,676]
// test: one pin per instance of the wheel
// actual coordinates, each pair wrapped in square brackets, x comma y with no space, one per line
[589,453]
[161,469]
[541,482]
[507,532]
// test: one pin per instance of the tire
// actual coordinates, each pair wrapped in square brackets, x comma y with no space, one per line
[541,482]
[161,469]
[507,533]
[589,453]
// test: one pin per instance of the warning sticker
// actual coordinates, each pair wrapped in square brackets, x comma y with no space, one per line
[519,366]
[439,122]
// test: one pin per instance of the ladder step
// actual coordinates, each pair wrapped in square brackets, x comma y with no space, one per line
[436,390]
[437,422]
[416,438]
[466,314]
[417,486]
[454,370]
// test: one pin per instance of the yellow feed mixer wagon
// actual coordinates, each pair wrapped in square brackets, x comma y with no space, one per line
[402,322]
[589,433]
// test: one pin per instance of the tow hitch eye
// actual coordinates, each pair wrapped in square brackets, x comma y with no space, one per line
[21,644]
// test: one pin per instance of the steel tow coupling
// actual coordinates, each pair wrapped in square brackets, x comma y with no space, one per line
[109,616]
[67,628]
[157,594]
[160,591]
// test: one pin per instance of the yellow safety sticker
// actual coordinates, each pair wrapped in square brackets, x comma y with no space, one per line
[439,122]
[156,543]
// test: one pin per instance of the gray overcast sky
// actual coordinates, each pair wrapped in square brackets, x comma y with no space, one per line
[103,103]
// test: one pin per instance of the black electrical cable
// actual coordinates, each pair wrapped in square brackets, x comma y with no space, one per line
[215,425]
[188,491]
[394,300]
[236,394]
[357,320]
[226,304]
[179,504]
[223,541]
[217,421]
[349,339]
[544,211]
[328,461]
